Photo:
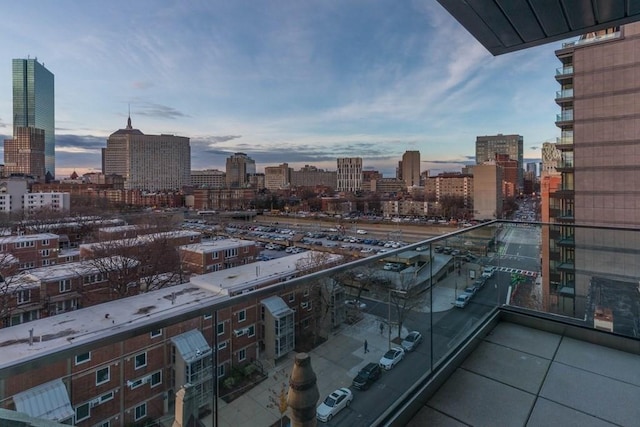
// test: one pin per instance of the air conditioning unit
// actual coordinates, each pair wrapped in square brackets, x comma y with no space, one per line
[304,305]
[238,332]
[146,379]
[94,403]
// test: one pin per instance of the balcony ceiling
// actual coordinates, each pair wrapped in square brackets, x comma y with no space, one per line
[503,26]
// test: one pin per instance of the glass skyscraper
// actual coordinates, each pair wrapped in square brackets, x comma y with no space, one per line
[33,104]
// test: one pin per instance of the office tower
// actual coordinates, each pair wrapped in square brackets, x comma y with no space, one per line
[239,167]
[311,176]
[208,178]
[531,167]
[148,162]
[411,168]
[349,174]
[277,177]
[33,104]
[487,191]
[488,146]
[24,153]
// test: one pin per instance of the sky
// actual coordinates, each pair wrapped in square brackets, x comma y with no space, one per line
[302,82]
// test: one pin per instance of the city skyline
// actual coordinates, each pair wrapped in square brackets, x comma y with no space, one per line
[302,83]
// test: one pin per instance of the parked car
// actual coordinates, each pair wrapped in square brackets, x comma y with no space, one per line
[367,376]
[411,341]
[355,304]
[391,358]
[334,403]
[462,300]
[361,231]
[471,290]
[487,272]
[479,282]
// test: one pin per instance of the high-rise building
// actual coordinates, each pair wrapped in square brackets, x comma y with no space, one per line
[450,184]
[24,154]
[488,146]
[349,174]
[411,168]
[208,178]
[311,176]
[487,191]
[239,167]
[277,177]
[148,162]
[34,104]
[598,165]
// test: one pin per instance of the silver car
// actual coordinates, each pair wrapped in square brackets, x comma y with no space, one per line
[411,341]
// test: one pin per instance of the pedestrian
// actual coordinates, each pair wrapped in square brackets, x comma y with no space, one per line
[366,346]
[381,328]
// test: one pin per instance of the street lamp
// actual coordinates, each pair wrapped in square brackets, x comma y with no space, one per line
[389,307]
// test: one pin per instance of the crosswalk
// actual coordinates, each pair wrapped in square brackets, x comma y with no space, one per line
[518,271]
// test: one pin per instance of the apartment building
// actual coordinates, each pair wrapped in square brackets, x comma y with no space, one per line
[311,176]
[208,178]
[137,379]
[209,256]
[28,251]
[451,184]
[349,175]
[277,177]
[487,191]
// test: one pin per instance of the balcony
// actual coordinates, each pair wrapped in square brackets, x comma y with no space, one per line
[565,116]
[513,355]
[567,70]
[584,40]
[564,95]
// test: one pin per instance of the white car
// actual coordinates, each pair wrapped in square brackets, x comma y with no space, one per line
[361,231]
[391,358]
[355,304]
[334,403]
[487,272]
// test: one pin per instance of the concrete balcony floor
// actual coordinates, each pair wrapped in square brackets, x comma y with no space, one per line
[520,376]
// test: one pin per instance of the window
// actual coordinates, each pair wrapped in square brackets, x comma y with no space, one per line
[156,378]
[246,249]
[242,354]
[292,297]
[220,371]
[44,252]
[242,315]
[82,358]
[141,411]
[220,328]
[23,296]
[64,285]
[106,397]
[45,242]
[82,412]
[102,376]
[231,253]
[208,316]
[140,360]
[222,345]
[306,292]
[214,255]
[252,331]
[156,333]
[135,384]
[104,424]
[46,262]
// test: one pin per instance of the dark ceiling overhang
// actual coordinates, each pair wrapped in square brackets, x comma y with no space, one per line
[503,26]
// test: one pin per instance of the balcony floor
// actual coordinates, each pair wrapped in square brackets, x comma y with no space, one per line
[519,376]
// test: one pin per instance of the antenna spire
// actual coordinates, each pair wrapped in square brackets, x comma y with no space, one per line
[129,119]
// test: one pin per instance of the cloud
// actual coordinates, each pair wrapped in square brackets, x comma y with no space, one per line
[157,110]
[213,139]
[3,124]
[142,85]
[79,143]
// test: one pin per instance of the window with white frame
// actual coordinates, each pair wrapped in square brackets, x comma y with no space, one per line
[156,378]
[306,292]
[220,371]
[252,331]
[140,412]
[102,375]
[207,316]
[242,355]
[83,358]
[220,328]
[64,285]
[214,255]
[44,252]
[45,242]
[292,297]
[242,315]
[231,253]
[140,360]
[82,412]
[222,345]
[156,333]
[23,296]
[46,262]
[106,397]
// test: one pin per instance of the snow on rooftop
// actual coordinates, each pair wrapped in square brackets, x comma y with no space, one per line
[142,238]
[53,333]
[27,237]
[208,246]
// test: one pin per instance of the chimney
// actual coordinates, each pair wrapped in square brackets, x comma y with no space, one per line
[303,392]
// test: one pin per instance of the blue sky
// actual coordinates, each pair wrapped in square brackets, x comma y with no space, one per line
[282,80]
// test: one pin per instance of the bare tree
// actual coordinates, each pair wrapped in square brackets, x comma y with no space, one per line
[404,298]
[278,395]
[14,289]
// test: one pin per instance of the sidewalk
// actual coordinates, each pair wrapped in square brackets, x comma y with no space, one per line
[335,362]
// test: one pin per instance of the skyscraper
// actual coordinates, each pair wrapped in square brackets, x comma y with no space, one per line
[148,162]
[488,146]
[411,168]
[349,174]
[34,104]
[24,153]
[238,168]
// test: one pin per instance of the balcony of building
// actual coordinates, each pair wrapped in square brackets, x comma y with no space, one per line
[564,117]
[564,96]
[510,356]
[565,72]
[564,142]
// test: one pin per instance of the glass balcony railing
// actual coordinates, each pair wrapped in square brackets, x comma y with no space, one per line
[566,93]
[587,40]
[564,116]
[566,140]
[344,315]
[563,71]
